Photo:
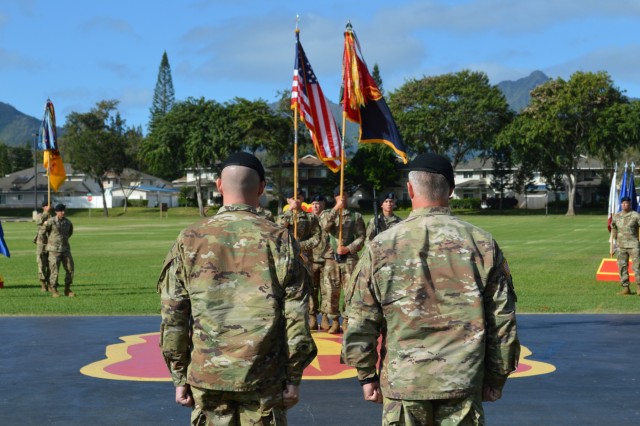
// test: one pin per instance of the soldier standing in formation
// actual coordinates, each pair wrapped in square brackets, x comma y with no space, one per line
[341,256]
[308,235]
[625,227]
[440,293]
[234,331]
[385,220]
[42,256]
[317,267]
[58,230]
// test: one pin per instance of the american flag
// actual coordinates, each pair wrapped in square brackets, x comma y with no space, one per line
[307,97]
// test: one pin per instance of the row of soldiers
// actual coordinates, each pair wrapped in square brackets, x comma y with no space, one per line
[331,254]
[53,249]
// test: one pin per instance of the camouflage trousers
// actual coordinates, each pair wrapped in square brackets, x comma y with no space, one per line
[316,284]
[221,408]
[624,254]
[42,257]
[55,260]
[466,411]
[335,278]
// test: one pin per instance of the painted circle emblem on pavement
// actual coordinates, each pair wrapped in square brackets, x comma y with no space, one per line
[138,358]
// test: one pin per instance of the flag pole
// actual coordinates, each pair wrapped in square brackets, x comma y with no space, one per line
[295,155]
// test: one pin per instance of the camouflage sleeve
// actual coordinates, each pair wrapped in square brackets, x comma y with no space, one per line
[301,347]
[502,344]
[316,235]
[284,219]
[328,220]
[614,229]
[176,315]
[42,218]
[359,344]
[359,235]
[371,230]
[70,229]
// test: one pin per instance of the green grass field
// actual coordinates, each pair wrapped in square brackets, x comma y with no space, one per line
[553,260]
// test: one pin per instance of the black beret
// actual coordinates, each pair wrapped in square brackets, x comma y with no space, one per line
[625,199]
[389,196]
[289,193]
[345,191]
[45,203]
[433,163]
[246,160]
[60,207]
[317,199]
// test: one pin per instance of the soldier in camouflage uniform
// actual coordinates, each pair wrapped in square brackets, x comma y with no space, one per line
[386,219]
[317,267]
[624,231]
[308,235]
[58,230]
[266,213]
[440,293]
[42,257]
[341,256]
[234,331]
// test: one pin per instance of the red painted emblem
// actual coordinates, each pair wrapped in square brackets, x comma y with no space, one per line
[139,359]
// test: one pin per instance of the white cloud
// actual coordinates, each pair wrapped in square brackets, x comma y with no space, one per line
[101,23]
[13,60]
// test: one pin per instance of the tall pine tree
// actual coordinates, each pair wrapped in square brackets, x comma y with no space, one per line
[163,95]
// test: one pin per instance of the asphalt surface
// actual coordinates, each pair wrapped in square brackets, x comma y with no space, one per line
[596,379]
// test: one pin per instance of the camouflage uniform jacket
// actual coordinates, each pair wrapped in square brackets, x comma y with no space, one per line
[353,231]
[41,237]
[57,233]
[624,229]
[442,290]
[234,304]
[308,230]
[320,250]
[384,223]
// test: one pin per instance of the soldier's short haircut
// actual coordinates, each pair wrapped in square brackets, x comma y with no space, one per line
[240,179]
[432,186]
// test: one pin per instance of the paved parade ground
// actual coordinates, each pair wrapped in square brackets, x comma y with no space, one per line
[574,370]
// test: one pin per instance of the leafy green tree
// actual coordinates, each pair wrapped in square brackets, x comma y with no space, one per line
[374,166]
[164,94]
[95,142]
[452,114]
[21,157]
[375,74]
[565,120]
[502,176]
[5,160]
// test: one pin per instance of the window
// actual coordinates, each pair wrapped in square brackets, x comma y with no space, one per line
[467,175]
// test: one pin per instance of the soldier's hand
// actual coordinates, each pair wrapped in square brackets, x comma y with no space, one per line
[342,250]
[371,392]
[491,394]
[183,396]
[290,396]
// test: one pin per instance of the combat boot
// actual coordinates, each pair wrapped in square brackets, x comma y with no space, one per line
[313,322]
[335,327]
[44,286]
[324,323]
[68,292]
[624,292]
[54,292]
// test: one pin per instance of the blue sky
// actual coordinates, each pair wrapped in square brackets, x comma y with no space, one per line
[80,52]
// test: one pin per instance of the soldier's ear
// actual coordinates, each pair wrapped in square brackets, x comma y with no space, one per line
[261,187]
[219,185]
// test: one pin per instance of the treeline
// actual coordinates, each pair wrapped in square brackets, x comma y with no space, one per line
[458,115]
